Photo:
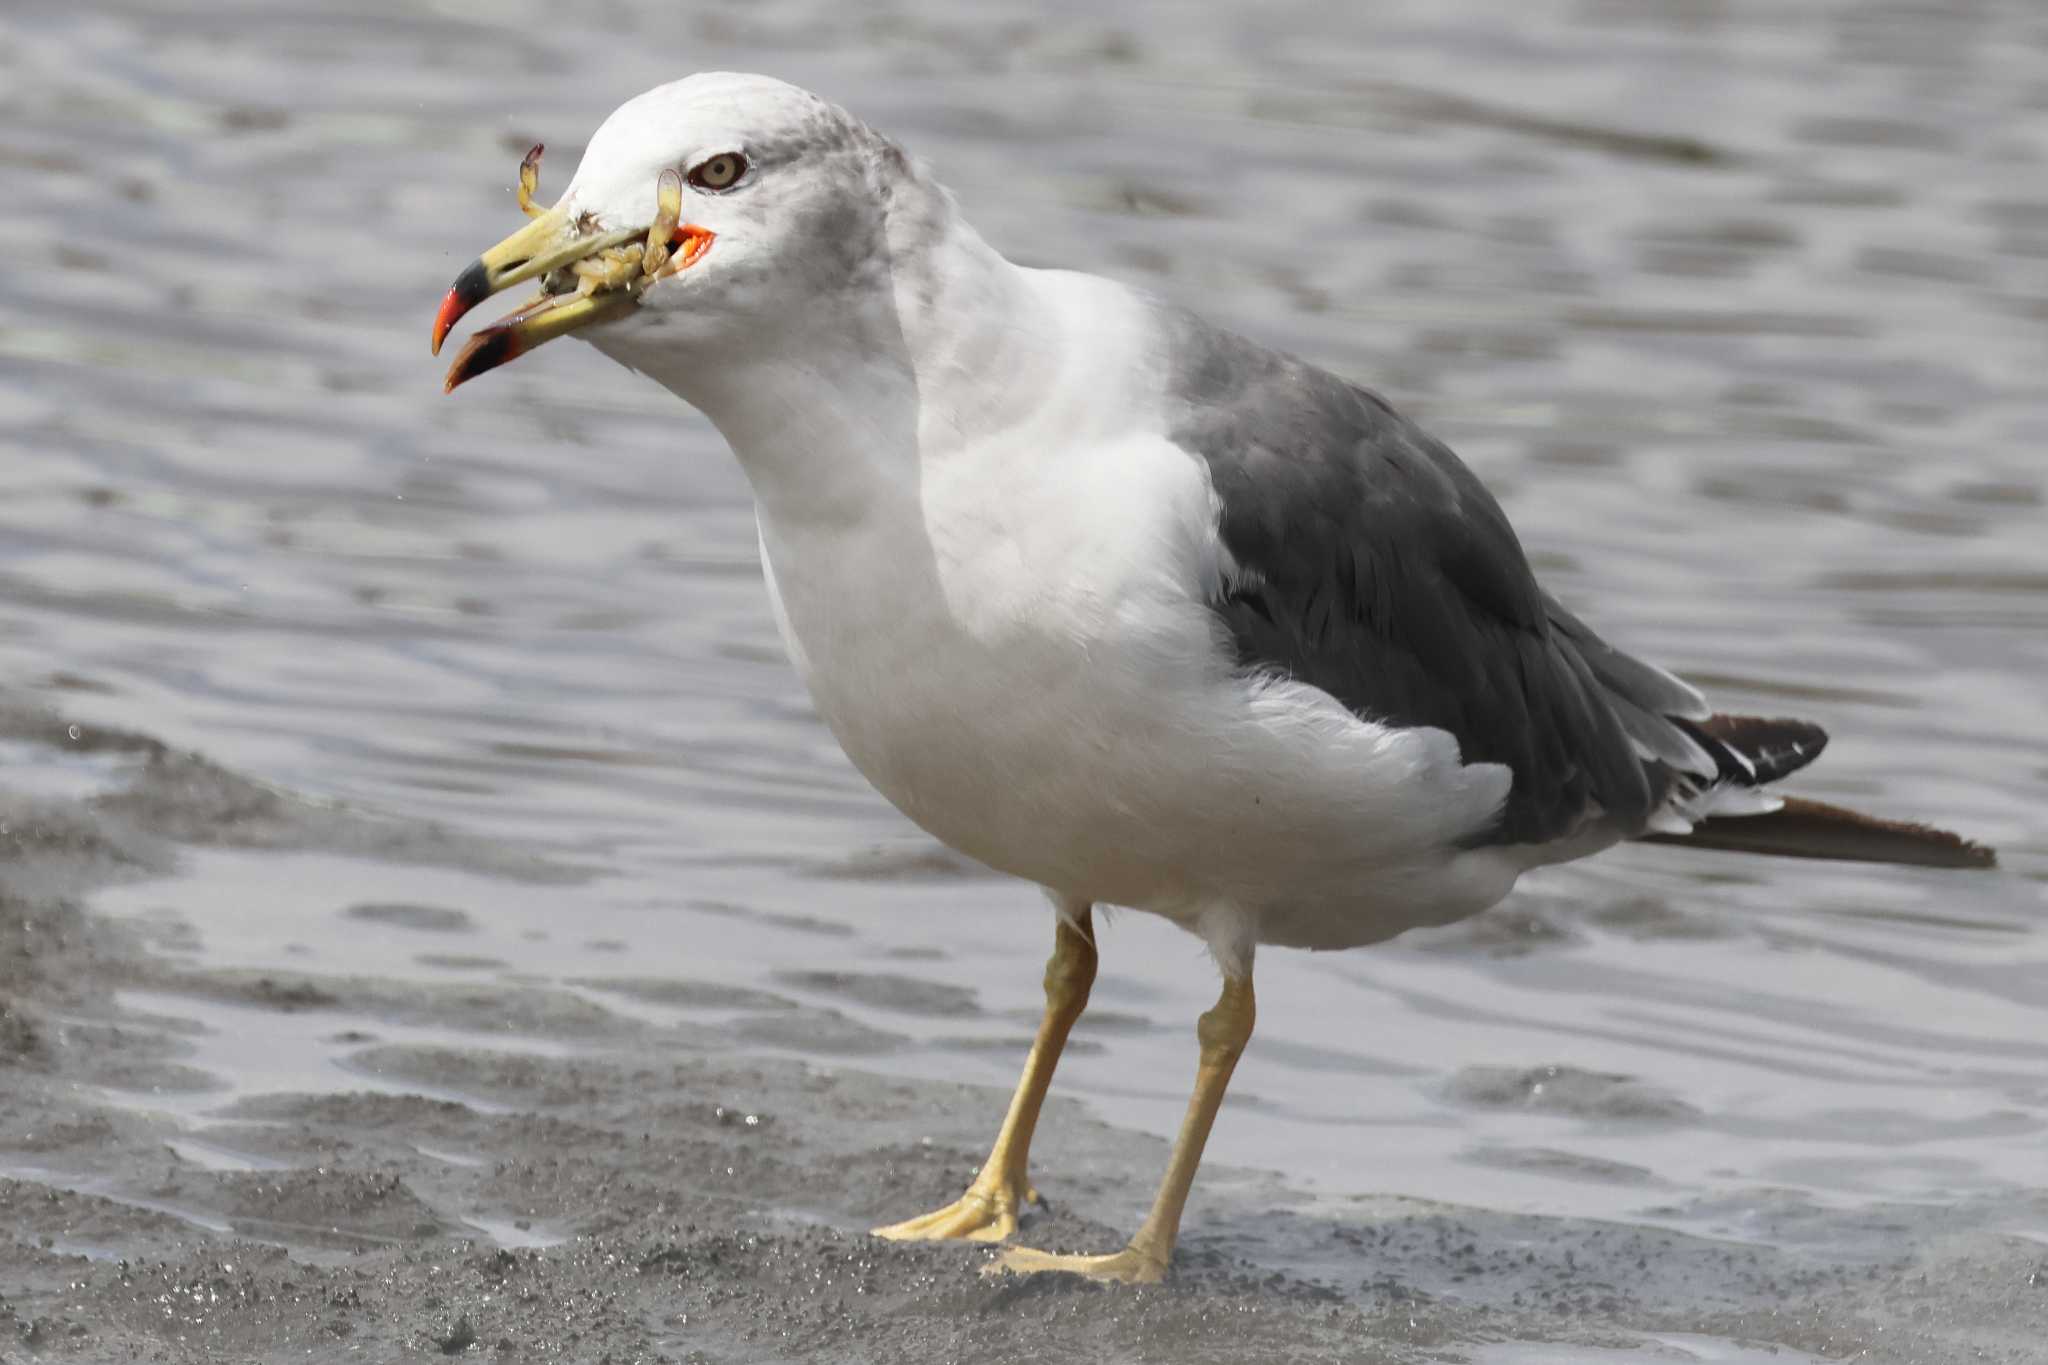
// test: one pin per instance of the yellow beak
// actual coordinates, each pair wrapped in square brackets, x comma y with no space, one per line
[550,242]
[546,244]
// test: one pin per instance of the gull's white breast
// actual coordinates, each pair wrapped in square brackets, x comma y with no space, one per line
[1017,653]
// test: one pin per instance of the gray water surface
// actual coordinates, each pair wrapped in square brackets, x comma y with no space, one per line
[1741,309]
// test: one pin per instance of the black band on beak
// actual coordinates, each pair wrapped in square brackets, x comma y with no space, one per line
[471,287]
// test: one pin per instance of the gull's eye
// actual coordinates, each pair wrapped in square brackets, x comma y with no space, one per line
[718,172]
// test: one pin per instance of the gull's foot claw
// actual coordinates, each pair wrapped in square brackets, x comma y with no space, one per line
[1129,1266]
[978,1216]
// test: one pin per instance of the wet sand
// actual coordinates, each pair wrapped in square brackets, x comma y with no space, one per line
[511,1170]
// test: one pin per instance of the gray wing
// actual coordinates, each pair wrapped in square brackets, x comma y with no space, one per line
[1371,563]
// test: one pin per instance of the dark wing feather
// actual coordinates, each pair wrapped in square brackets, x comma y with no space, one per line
[1371,563]
[1814,829]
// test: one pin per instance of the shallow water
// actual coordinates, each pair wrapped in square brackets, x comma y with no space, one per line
[1740,310]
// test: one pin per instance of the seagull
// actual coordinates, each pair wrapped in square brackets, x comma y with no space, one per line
[1112,599]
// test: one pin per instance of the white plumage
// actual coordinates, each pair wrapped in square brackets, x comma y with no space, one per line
[1107,599]
[994,579]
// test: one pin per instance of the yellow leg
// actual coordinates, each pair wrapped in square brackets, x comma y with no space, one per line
[1223,1032]
[988,1211]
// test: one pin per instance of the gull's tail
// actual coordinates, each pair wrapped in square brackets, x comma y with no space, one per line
[1751,751]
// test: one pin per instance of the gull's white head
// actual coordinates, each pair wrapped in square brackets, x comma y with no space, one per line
[784,215]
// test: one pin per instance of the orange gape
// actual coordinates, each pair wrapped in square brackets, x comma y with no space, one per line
[694,241]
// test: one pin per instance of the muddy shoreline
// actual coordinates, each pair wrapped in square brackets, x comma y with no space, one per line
[564,1181]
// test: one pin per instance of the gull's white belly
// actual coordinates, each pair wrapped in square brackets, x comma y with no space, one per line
[1061,709]
[1005,748]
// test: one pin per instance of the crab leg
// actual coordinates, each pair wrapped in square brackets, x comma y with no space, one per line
[529,181]
[661,233]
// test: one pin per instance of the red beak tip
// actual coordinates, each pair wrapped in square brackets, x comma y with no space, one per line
[471,287]
[486,350]
[452,308]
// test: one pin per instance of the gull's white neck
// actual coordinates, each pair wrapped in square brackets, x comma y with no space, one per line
[836,416]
